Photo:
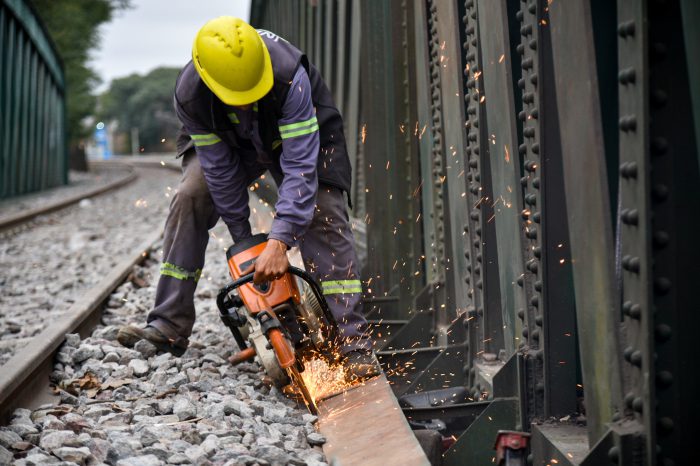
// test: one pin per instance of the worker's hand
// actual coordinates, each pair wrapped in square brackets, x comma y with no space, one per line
[271,264]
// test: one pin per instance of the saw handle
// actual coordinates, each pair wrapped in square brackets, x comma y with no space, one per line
[304,275]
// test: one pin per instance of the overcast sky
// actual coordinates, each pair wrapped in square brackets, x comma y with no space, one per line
[155,33]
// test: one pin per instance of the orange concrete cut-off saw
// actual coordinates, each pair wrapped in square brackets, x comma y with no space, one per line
[286,320]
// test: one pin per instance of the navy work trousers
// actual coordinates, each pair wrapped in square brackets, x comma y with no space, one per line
[327,248]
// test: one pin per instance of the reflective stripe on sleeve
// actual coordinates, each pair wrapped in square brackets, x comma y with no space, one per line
[299,129]
[172,270]
[234,118]
[205,139]
[341,286]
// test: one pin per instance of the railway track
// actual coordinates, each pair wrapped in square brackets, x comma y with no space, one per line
[13,220]
[25,383]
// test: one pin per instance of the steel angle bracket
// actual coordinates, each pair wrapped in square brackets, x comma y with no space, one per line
[468,450]
[567,444]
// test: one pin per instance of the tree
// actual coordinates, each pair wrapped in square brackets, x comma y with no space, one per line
[74,28]
[145,103]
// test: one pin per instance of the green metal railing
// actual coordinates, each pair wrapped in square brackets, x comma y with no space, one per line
[33,153]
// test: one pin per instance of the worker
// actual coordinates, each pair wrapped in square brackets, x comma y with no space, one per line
[251,102]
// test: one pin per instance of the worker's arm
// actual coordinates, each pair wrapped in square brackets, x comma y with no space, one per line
[297,193]
[226,178]
[300,146]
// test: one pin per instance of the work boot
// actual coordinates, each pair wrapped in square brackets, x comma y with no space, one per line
[361,364]
[129,335]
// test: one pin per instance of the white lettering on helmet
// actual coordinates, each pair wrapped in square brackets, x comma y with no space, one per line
[270,35]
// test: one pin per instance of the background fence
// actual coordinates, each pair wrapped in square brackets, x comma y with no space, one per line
[33,153]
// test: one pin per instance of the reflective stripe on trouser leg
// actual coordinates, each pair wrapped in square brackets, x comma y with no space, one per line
[328,249]
[184,244]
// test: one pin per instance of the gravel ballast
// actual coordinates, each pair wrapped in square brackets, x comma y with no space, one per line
[123,407]
[51,263]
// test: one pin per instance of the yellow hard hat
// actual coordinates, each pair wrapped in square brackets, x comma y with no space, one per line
[233,61]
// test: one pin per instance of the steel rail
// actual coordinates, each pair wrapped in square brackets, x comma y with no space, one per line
[9,221]
[24,379]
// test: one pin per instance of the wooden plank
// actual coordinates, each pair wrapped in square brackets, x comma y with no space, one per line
[366,426]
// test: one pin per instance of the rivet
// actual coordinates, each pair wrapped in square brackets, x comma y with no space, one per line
[659,98]
[626,28]
[666,424]
[636,358]
[536,183]
[663,333]
[531,199]
[626,306]
[628,123]
[627,353]
[533,44]
[535,301]
[520,48]
[659,192]
[529,97]
[532,266]
[535,149]
[638,404]
[629,399]
[532,8]
[534,113]
[526,30]
[529,132]
[480,284]
[538,285]
[520,281]
[531,233]
[522,149]
[522,115]
[538,320]
[662,285]
[636,311]
[525,332]
[537,252]
[521,313]
[536,334]
[536,217]
[660,239]
[521,83]
[630,216]
[530,165]
[527,63]
[664,379]
[659,146]
[614,454]
[533,78]
[626,76]
[519,15]
[629,170]
[523,181]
